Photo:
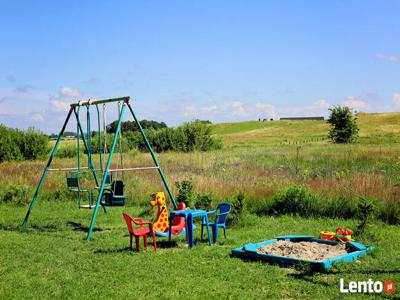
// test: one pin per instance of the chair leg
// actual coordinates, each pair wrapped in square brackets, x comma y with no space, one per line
[224,231]
[130,242]
[137,243]
[202,226]
[154,241]
[145,241]
[214,233]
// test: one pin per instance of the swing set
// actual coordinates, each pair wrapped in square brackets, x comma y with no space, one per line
[110,189]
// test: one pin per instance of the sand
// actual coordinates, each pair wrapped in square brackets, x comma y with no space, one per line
[304,250]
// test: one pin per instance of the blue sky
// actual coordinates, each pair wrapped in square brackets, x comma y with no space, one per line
[179,60]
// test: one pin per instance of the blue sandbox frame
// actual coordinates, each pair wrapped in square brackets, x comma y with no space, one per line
[249,251]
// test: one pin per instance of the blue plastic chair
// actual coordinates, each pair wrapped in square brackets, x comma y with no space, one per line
[221,216]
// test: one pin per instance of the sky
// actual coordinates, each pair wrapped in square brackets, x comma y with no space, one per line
[224,61]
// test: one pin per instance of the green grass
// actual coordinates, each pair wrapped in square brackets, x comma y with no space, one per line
[52,260]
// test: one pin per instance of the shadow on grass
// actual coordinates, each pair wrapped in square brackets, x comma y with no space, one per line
[31,227]
[83,228]
[160,245]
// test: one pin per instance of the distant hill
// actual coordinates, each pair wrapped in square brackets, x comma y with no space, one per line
[374,127]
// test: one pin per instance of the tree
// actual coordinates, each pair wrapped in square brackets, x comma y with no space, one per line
[344,125]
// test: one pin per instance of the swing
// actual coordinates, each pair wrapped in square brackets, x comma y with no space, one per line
[113,195]
[73,176]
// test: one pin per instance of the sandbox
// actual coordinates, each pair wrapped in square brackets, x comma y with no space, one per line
[291,249]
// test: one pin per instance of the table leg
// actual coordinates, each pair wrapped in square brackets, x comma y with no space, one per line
[189,233]
[169,231]
[208,229]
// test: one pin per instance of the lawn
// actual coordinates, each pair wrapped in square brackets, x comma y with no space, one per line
[51,259]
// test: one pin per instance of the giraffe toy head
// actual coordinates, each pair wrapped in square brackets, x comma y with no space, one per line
[158,199]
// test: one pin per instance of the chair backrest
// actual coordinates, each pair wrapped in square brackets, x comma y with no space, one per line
[108,178]
[222,213]
[128,220]
[117,187]
[72,182]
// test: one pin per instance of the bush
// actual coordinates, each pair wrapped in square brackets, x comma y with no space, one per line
[296,200]
[95,145]
[16,144]
[10,143]
[237,208]
[344,126]
[204,201]
[365,212]
[196,136]
[16,194]
[185,192]
[192,136]
[35,145]
[389,212]
[66,152]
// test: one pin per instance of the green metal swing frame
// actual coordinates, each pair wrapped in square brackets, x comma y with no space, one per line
[74,109]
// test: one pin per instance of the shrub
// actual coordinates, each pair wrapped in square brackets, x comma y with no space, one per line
[66,152]
[16,144]
[16,194]
[131,126]
[185,192]
[344,126]
[197,136]
[365,212]
[10,143]
[35,145]
[95,145]
[192,136]
[297,200]
[389,212]
[237,208]
[204,201]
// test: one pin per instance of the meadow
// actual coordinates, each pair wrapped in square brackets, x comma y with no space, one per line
[260,159]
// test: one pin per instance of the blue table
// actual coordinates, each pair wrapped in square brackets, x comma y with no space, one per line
[189,215]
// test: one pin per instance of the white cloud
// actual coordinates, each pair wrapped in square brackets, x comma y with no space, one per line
[389,58]
[323,104]
[396,100]
[69,92]
[59,106]
[38,117]
[269,109]
[190,110]
[238,109]
[355,103]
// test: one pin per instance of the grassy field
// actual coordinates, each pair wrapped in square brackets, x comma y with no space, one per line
[261,159]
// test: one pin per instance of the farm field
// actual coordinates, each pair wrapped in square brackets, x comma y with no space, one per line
[260,159]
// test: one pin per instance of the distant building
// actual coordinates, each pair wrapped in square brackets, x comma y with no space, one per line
[302,118]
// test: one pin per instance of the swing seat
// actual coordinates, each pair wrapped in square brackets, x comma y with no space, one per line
[115,195]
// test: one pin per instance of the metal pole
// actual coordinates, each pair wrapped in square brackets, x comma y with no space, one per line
[53,153]
[100,146]
[103,181]
[91,166]
[79,160]
[153,156]
[93,102]
[88,135]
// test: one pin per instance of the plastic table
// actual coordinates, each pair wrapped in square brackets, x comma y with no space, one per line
[189,215]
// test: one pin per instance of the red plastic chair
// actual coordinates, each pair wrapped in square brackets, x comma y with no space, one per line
[141,231]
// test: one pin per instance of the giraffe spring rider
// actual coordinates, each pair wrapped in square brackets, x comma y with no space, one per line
[161,224]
